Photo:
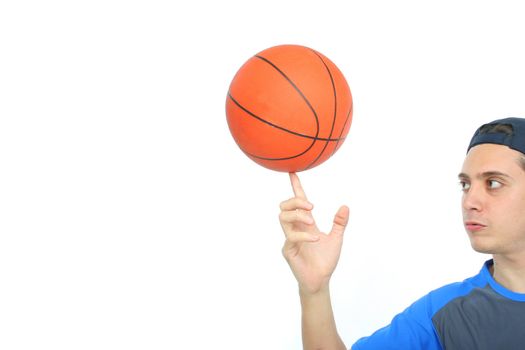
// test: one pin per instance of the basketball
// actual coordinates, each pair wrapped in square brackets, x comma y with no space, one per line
[289,108]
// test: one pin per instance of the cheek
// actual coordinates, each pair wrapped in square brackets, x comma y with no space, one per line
[511,212]
[520,212]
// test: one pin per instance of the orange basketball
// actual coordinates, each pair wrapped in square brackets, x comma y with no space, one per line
[289,108]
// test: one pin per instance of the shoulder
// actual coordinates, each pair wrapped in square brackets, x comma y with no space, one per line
[438,298]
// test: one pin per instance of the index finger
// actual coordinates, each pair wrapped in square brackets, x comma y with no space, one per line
[296,186]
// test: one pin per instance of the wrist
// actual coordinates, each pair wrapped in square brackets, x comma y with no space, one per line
[308,293]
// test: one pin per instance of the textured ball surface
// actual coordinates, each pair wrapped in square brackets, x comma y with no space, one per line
[289,108]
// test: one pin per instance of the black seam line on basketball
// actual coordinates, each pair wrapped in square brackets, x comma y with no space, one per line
[335,110]
[277,126]
[300,94]
[267,158]
[273,159]
[296,89]
[343,128]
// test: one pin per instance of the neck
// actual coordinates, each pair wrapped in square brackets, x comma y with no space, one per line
[510,272]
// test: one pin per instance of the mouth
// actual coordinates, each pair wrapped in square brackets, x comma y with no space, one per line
[473,226]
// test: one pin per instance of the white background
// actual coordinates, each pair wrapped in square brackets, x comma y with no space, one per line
[129,219]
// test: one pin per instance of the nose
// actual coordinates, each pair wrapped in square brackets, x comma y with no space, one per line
[473,198]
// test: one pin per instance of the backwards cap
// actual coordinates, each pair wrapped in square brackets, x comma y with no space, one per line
[516,140]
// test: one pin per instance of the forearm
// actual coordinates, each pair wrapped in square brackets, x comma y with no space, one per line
[318,323]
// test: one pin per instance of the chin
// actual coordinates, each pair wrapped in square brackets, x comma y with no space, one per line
[482,246]
[483,250]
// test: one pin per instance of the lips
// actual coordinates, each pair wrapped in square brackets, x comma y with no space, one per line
[474,226]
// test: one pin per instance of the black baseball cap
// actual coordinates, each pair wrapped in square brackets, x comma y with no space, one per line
[514,140]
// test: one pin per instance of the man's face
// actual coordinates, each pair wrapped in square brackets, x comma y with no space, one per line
[493,201]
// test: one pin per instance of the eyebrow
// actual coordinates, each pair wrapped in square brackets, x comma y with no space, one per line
[485,175]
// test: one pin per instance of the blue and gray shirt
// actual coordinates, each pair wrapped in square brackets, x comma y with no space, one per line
[477,313]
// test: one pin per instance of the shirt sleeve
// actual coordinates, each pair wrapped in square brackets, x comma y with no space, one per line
[410,330]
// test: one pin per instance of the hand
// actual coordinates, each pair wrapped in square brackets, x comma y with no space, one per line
[311,254]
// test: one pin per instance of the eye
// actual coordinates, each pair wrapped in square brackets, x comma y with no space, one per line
[494,184]
[464,185]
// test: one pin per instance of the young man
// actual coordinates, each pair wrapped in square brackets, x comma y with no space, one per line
[486,311]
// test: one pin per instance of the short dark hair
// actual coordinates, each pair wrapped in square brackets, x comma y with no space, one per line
[506,129]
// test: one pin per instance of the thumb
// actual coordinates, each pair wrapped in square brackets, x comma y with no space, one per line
[341,220]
